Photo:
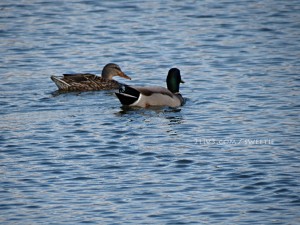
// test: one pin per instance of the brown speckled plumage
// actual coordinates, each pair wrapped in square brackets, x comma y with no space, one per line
[85,82]
[90,82]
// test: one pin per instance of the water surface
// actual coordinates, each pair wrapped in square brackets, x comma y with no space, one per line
[230,155]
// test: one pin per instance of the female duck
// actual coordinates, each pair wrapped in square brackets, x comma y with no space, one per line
[91,82]
[153,95]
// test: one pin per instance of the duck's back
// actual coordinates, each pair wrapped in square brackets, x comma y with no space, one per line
[84,82]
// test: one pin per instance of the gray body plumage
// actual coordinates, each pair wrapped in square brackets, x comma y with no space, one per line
[154,95]
[157,96]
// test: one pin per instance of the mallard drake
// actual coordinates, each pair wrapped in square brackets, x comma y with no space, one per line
[154,95]
[91,82]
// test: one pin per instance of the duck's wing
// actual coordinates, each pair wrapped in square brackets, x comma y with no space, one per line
[68,81]
[78,77]
[146,91]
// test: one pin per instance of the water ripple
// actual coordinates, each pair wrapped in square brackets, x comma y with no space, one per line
[230,155]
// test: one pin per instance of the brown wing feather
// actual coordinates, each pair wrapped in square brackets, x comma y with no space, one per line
[85,82]
[80,77]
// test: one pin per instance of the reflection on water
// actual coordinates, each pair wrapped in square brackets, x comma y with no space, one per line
[172,115]
[229,155]
[174,119]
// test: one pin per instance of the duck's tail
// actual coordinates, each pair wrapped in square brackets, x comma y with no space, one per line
[127,95]
[62,85]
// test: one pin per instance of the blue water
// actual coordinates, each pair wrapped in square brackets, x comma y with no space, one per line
[230,155]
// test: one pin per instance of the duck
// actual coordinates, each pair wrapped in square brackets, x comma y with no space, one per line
[144,97]
[91,82]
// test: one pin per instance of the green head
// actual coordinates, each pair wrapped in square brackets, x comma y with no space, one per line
[174,80]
